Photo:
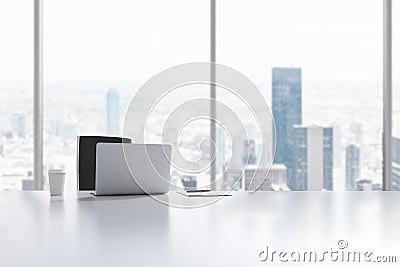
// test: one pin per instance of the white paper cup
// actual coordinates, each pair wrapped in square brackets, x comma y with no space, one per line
[56,182]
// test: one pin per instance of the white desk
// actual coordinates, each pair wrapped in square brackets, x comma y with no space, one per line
[137,231]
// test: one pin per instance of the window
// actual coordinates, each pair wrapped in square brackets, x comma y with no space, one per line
[318,67]
[95,62]
[16,82]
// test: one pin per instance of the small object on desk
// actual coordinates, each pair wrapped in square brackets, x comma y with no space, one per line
[203,193]
[197,190]
[56,182]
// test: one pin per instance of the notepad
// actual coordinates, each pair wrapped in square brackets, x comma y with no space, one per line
[203,193]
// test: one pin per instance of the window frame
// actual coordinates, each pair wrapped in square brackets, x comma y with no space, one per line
[38,93]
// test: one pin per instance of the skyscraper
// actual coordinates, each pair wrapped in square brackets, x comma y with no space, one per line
[220,150]
[18,124]
[264,151]
[312,158]
[352,166]
[250,156]
[328,150]
[189,182]
[112,112]
[396,164]
[274,181]
[287,112]
[337,146]
[356,128]
[364,185]
[237,151]
[232,179]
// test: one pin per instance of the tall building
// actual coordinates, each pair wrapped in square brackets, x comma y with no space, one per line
[249,156]
[364,185]
[237,151]
[396,164]
[352,166]
[28,183]
[328,151]
[232,179]
[287,112]
[221,144]
[113,112]
[264,153]
[18,124]
[356,129]
[189,182]
[312,158]
[254,176]
[274,181]
[337,147]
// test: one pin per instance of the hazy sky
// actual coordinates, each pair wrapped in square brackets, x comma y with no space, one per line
[335,42]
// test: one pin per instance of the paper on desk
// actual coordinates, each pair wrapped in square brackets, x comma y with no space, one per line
[203,194]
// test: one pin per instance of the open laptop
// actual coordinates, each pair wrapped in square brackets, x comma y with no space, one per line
[143,169]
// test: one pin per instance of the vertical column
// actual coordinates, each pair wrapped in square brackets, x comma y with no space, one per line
[387,95]
[38,95]
[213,94]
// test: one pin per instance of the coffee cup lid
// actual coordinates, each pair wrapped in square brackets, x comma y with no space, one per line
[57,171]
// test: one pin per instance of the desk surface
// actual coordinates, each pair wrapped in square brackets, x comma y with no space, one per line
[36,230]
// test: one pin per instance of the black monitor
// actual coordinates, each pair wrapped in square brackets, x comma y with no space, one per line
[86,161]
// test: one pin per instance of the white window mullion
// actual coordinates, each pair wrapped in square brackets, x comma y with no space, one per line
[38,95]
[387,95]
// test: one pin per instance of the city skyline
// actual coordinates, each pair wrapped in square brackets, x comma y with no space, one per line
[356,129]
[337,70]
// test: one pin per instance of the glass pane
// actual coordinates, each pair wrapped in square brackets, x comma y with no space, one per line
[319,65]
[97,57]
[16,93]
